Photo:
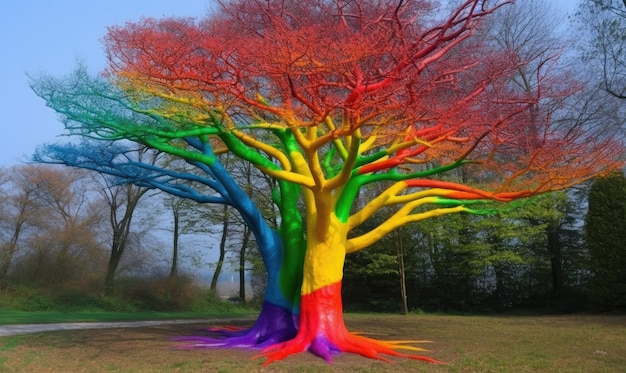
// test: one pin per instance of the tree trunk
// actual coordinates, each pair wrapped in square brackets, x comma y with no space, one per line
[220,260]
[401,272]
[556,259]
[8,251]
[176,233]
[114,260]
[242,264]
[120,236]
[322,330]
[500,303]
[6,256]
[121,231]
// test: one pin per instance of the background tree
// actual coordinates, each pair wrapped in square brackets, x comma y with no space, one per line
[176,206]
[604,47]
[122,201]
[351,95]
[372,277]
[606,237]
[190,216]
[225,218]
[234,236]
[63,248]
[187,219]
[15,213]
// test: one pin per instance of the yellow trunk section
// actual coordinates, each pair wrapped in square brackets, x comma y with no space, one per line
[325,253]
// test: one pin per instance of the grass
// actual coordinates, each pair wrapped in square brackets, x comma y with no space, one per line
[572,343]
[21,317]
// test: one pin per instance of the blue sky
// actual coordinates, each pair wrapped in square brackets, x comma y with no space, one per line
[46,36]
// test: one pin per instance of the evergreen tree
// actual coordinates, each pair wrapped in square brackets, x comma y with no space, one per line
[606,238]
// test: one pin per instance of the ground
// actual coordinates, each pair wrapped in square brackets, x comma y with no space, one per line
[573,343]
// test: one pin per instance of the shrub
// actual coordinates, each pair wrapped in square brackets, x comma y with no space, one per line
[38,303]
[179,293]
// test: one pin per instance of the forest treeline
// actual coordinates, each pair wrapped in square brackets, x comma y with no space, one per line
[559,252]
[75,235]
[563,251]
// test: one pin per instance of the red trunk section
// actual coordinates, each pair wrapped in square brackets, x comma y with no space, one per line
[322,331]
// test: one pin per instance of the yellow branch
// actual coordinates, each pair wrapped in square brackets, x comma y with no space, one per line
[288,176]
[405,198]
[374,205]
[341,148]
[300,138]
[312,162]
[367,144]
[403,145]
[346,171]
[267,149]
[396,221]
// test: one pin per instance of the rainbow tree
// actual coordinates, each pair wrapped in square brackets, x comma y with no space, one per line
[331,98]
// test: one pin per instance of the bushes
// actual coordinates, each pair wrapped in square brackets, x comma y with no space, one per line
[31,299]
[160,293]
[38,302]
[156,294]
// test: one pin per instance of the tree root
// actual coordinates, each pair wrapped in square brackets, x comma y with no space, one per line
[343,341]
[274,325]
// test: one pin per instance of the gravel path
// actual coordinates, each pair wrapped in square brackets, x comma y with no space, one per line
[6,330]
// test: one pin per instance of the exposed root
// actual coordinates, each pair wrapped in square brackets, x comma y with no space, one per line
[325,348]
[274,325]
[322,332]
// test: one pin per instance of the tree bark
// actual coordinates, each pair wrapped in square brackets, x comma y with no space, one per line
[556,259]
[220,260]
[117,250]
[176,234]
[401,272]
[242,264]
[8,251]
[121,231]
[322,330]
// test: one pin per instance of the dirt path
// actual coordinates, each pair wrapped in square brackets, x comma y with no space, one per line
[6,330]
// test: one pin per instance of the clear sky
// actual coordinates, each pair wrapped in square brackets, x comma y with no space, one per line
[51,36]
[46,36]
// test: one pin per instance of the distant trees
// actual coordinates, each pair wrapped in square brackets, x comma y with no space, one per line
[121,202]
[606,238]
[50,226]
[181,224]
[530,254]
[56,223]
[16,210]
[603,52]
[55,229]
[604,46]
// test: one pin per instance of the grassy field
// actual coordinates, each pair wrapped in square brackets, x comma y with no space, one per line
[573,343]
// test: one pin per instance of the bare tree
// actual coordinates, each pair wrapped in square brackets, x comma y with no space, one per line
[17,194]
[122,201]
[62,244]
[529,29]
[603,42]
